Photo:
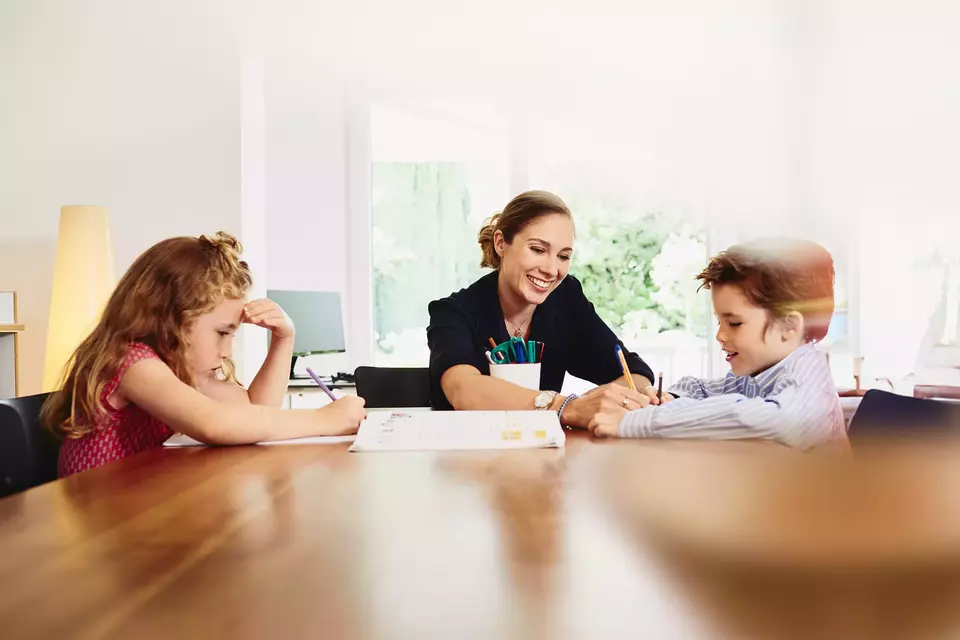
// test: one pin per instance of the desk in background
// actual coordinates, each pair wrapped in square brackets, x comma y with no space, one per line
[937,392]
[10,332]
[305,394]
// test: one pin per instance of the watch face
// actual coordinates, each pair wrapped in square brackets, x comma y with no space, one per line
[543,399]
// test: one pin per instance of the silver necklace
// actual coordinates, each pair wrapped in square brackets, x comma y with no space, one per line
[518,330]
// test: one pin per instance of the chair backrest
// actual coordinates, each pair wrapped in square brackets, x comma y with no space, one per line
[389,387]
[28,452]
[882,413]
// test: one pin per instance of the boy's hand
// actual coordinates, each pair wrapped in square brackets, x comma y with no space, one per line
[651,392]
[268,314]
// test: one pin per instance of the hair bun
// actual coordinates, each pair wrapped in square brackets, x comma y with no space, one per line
[223,241]
[519,212]
[485,239]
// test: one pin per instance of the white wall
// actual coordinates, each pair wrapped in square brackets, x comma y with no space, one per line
[250,347]
[792,115]
[157,137]
[306,176]
[687,104]
[132,105]
[885,151]
[305,125]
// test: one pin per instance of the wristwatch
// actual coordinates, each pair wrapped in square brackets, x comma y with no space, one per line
[544,399]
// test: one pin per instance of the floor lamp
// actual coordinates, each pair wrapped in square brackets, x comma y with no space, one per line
[83,279]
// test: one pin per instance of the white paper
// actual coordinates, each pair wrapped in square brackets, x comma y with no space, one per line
[180,440]
[458,430]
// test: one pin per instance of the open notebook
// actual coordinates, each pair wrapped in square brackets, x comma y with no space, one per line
[180,440]
[458,430]
[418,430]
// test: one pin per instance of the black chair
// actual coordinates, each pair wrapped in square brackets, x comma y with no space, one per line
[885,414]
[28,452]
[393,387]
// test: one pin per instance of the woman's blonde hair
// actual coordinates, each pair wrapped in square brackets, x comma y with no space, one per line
[167,288]
[519,212]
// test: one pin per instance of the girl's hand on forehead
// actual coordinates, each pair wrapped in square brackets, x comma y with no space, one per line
[268,314]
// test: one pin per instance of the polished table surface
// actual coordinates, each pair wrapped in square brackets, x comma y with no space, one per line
[602,539]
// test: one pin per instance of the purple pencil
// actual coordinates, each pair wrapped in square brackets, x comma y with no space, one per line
[317,379]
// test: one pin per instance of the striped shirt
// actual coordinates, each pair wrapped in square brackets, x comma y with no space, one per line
[794,402]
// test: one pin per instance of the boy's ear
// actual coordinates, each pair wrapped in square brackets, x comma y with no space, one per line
[792,325]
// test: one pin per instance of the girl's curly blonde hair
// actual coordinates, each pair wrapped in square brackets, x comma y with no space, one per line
[168,287]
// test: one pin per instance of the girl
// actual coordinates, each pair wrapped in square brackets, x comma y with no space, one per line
[159,362]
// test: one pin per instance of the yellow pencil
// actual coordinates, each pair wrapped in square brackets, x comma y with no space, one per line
[626,370]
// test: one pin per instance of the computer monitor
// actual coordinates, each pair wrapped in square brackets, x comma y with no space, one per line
[317,318]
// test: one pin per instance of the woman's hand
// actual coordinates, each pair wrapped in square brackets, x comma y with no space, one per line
[609,398]
[268,314]
[606,422]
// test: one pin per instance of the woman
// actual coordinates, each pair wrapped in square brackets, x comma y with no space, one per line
[530,296]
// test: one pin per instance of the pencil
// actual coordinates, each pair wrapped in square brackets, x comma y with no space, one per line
[626,370]
[317,379]
[660,386]
[492,343]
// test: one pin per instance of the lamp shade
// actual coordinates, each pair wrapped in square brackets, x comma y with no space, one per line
[83,279]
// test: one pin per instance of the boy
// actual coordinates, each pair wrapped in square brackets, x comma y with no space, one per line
[773,300]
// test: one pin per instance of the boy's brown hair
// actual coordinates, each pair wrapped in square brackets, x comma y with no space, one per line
[781,275]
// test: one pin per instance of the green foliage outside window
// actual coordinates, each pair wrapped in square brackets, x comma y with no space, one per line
[636,267]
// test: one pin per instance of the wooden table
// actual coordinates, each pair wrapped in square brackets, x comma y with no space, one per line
[605,539]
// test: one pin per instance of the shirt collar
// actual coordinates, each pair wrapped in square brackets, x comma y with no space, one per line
[765,377]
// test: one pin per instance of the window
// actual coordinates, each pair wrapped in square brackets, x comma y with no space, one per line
[637,251]
[437,172]
[904,294]
[638,268]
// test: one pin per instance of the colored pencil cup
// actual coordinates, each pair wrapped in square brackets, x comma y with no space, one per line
[524,375]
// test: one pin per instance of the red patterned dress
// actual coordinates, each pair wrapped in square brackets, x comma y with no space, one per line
[119,432]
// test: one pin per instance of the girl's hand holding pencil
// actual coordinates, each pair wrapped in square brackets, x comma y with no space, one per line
[347,412]
[343,417]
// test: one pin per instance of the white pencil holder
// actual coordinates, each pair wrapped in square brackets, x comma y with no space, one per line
[524,375]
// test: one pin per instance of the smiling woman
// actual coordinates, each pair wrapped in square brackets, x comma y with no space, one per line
[530,297]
